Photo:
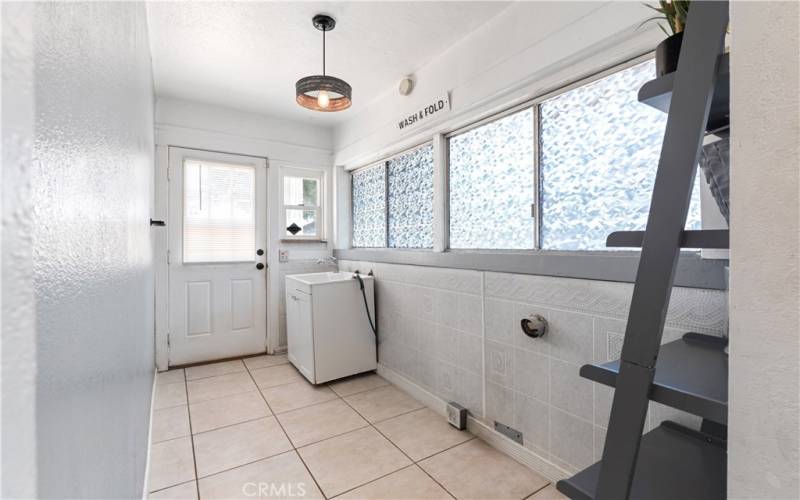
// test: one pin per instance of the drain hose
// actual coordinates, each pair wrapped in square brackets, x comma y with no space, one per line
[372,324]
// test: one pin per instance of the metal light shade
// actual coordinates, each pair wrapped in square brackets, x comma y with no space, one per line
[309,88]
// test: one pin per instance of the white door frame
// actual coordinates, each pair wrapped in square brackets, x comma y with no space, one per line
[161,246]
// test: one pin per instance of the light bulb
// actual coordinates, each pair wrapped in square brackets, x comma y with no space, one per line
[323,99]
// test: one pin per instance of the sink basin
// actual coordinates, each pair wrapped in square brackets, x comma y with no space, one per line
[320,278]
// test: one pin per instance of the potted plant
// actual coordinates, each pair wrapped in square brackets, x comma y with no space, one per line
[674,13]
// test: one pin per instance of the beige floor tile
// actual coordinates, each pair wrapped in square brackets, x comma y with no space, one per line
[350,460]
[475,470]
[422,433]
[185,491]
[228,447]
[168,395]
[171,463]
[215,413]
[315,423]
[170,377]
[408,483]
[281,476]
[382,403]
[170,423]
[359,383]
[205,389]
[276,375]
[549,493]
[214,369]
[287,397]
[265,361]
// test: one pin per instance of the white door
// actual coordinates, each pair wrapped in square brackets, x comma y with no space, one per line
[217,255]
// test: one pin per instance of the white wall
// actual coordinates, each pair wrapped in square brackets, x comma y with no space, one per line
[285,144]
[79,198]
[525,51]
[764,422]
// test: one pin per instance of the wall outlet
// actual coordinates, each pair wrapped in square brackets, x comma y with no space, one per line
[283,255]
[457,416]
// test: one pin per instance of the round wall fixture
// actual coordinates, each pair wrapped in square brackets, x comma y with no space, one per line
[406,86]
[323,92]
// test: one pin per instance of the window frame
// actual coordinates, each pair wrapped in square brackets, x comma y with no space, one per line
[303,173]
[384,163]
[533,103]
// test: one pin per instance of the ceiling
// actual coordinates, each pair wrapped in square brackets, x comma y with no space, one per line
[249,55]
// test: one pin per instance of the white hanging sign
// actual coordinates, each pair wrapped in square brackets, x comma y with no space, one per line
[436,107]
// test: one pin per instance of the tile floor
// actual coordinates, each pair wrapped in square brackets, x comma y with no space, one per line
[255,428]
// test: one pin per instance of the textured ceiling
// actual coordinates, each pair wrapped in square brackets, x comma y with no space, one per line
[249,55]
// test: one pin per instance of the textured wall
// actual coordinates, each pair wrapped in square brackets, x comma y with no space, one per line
[455,332]
[91,194]
[764,422]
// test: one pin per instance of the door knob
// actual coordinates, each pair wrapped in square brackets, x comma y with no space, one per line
[259,266]
[259,252]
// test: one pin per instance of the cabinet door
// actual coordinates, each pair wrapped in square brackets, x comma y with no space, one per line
[300,335]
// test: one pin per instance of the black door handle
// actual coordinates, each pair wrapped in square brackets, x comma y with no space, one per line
[259,266]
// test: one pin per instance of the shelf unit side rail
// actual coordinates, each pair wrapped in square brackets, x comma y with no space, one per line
[688,113]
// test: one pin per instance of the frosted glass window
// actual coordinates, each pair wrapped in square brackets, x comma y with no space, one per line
[301,207]
[598,159]
[218,212]
[491,185]
[411,199]
[369,207]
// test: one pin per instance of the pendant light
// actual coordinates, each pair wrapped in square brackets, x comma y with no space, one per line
[323,92]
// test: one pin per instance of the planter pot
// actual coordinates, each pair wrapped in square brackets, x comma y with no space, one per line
[715,165]
[667,53]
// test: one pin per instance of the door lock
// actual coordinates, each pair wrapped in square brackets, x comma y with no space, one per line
[259,266]
[259,252]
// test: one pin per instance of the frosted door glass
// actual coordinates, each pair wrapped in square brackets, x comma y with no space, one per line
[411,199]
[491,185]
[218,212]
[599,154]
[369,207]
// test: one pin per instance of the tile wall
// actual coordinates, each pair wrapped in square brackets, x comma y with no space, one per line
[457,334]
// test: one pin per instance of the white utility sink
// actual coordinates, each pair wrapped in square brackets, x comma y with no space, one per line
[318,278]
[327,330]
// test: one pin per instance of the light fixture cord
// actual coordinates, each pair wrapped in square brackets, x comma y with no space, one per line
[323,52]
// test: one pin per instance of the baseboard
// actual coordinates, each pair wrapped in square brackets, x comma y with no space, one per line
[149,435]
[491,437]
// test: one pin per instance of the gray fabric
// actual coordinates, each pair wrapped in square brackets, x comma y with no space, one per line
[715,163]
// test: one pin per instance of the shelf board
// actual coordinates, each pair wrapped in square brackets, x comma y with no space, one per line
[658,94]
[706,238]
[691,375]
[673,462]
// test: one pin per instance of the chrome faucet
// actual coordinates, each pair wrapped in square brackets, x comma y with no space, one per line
[330,259]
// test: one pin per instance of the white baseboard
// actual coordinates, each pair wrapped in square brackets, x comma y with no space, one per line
[491,437]
[149,435]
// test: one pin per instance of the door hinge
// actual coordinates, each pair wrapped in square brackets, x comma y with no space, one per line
[168,257]
[168,176]
[168,341]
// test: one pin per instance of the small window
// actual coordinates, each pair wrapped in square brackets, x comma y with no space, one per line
[599,152]
[393,201]
[369,206]
[411,199]
[491,185]
[302,204]
[218,212]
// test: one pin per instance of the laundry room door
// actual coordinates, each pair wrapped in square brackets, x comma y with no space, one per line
[217,255]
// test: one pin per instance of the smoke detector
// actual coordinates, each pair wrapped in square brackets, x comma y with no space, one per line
[406,86]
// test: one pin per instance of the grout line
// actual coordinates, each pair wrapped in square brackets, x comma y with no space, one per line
[174,486]
[246,464]
[294,448]
[191,435]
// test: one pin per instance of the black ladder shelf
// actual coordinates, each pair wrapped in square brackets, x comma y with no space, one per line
[690,374]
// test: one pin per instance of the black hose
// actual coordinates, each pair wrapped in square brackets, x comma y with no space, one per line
[372,325]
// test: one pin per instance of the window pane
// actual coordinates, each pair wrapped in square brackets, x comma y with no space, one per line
[599,154]
[304,220]
[369,207]
[218,212]
[411,199]
[300,191]
[491,185]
